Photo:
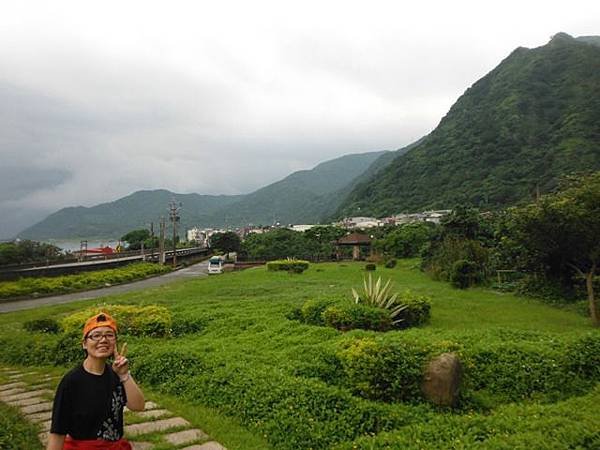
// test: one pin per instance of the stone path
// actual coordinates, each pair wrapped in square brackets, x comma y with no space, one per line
[34,400]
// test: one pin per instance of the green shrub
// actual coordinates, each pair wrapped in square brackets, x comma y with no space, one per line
[46,325]
[352,316]
[370,267]
[583,356]
[571,424]
[312,311]
[148,320]
[288,265]
[464,274]
[27,349]
[384,370]
[391,263]
[295,314]
[16,432]
[417,311]
[183,325]
[380,296]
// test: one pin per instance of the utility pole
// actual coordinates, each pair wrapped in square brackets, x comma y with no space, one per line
[174,208]
[161,242]
[151,241]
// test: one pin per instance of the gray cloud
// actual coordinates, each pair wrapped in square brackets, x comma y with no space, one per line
[230,96]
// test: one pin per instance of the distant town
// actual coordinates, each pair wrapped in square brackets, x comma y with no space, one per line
[202,235]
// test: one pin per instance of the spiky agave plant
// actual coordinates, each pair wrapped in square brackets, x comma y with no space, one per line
[380,297]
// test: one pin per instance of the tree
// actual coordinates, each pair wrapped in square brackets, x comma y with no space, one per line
[226,242]
[406,240]
[561,231]
[135,238]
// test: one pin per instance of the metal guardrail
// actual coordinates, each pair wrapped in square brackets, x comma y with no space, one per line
[93,263]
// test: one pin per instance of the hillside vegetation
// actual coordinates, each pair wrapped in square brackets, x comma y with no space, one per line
[530,120]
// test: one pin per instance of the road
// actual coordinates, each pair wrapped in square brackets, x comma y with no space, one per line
[196,270]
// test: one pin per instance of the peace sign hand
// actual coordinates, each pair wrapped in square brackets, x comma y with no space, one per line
[121,364]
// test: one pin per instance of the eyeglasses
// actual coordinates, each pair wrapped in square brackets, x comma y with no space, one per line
[96,337]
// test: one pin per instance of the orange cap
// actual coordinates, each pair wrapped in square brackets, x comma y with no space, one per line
[99,320]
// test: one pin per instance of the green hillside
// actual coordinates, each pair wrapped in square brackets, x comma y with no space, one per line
[113,219]
[305,196]
[533,118]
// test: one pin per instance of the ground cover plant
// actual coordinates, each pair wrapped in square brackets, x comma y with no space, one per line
[71,283]
[301,386]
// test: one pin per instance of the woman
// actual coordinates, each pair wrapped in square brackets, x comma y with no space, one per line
[89,401]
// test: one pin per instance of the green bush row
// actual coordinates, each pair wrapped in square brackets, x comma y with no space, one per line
[291,412]
[390,369]
[570,424]
[345,315]
[150,320]
[70,283]
[288,265]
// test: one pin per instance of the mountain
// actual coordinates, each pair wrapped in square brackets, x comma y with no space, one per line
[303,197]
[533,118]
[113,219]
[306,196]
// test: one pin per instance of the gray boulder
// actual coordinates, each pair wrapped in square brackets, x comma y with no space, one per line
[442,380]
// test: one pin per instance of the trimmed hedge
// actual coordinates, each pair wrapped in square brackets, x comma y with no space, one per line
[417,312]
[134,320]
[291,412]
[288,265]
[25,287]
[571,424]
[349,316]
[345,315]
[46,325]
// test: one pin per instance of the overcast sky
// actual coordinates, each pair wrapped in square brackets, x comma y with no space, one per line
[100,99]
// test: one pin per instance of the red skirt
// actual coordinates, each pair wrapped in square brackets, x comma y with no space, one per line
[96,444]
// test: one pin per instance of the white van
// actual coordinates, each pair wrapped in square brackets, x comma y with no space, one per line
[215,265]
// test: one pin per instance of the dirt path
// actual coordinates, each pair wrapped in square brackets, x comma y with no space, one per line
[195,270]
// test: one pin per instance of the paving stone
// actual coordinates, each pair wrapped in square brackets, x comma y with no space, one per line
[212,445]
[157,425]
[142,445]
[38,407]
[27,401]
[45,426]
[185,436]
[39,417]
[43,437]
[27,394]
[147,406]
[16,384]
[35,387]
[153,413]
[10,392]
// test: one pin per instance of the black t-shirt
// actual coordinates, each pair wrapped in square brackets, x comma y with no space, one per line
[88,406]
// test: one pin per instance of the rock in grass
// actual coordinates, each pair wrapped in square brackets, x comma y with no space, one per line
[442,380]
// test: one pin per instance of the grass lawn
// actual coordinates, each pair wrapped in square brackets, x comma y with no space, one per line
[251,376]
